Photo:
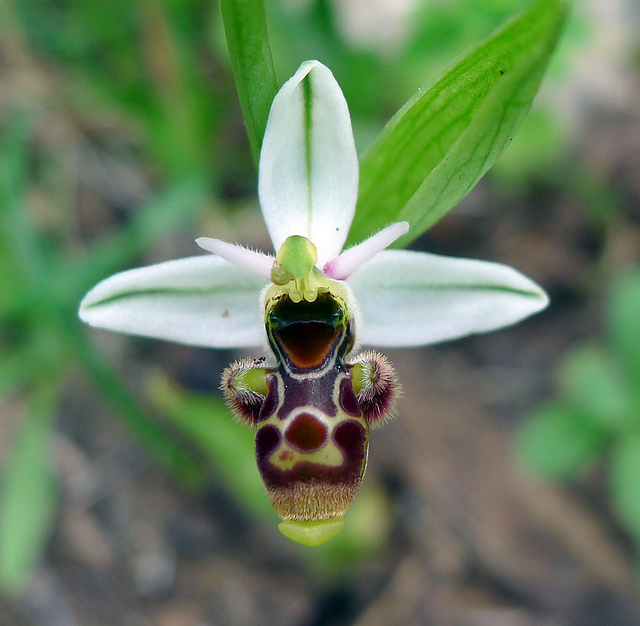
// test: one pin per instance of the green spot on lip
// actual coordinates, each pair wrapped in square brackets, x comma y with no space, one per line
[312,532]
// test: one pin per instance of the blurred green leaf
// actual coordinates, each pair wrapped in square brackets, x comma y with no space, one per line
[624,321]
[447,136]
[66,281]
[229,445]
[180,121]
[159,443]
[556,442]
[171,209]
[18,235]
[245,27]
[40,358]
[625,482]
[28,496]
[593,382]
[144,61]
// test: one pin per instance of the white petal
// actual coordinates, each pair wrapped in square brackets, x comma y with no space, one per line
[256,262]
[308,183]
[200,301]
[350,260]
[412,298]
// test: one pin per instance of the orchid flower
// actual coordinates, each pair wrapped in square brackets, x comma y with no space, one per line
[313,304]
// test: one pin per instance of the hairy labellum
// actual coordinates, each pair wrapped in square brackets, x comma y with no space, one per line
[312,410]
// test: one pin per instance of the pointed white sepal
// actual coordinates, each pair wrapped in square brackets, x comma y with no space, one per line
[255,262]
[308,182]
[350,260]
[199,301]
[413,298]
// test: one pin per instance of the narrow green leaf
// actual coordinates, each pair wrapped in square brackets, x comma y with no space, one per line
[28,496]
[556,442]
[245,27]
[159,443]
[209,423]
[18,234]
[42,357]
[449,134]
[625,482]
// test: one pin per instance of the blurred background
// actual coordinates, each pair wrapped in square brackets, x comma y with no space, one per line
[505,492]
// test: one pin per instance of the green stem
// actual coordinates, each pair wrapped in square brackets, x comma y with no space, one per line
[245,26]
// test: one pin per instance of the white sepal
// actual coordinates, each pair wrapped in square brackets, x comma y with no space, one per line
[308,182]
[200,301]
[413,298]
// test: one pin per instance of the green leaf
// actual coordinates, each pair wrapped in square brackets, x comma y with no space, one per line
[245,27]
[176,124]
[449,134]
[625,482]
[28,497]
[42,357]
[624,326]
[159,443]
[18,235]
[229,445]
[595,385]
[175,207]
[556,442]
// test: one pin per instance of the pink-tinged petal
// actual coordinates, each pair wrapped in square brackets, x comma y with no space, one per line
[350,260]
[257,262]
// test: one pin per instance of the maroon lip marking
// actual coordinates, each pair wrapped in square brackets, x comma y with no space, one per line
[271,401]
[347,399]
[351,438]
[267,440]
[306,433]
[316,392]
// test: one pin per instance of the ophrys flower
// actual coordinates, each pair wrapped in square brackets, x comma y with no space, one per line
[313,304]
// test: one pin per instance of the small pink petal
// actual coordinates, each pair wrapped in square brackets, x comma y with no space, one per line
[257,262]
[350,260]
